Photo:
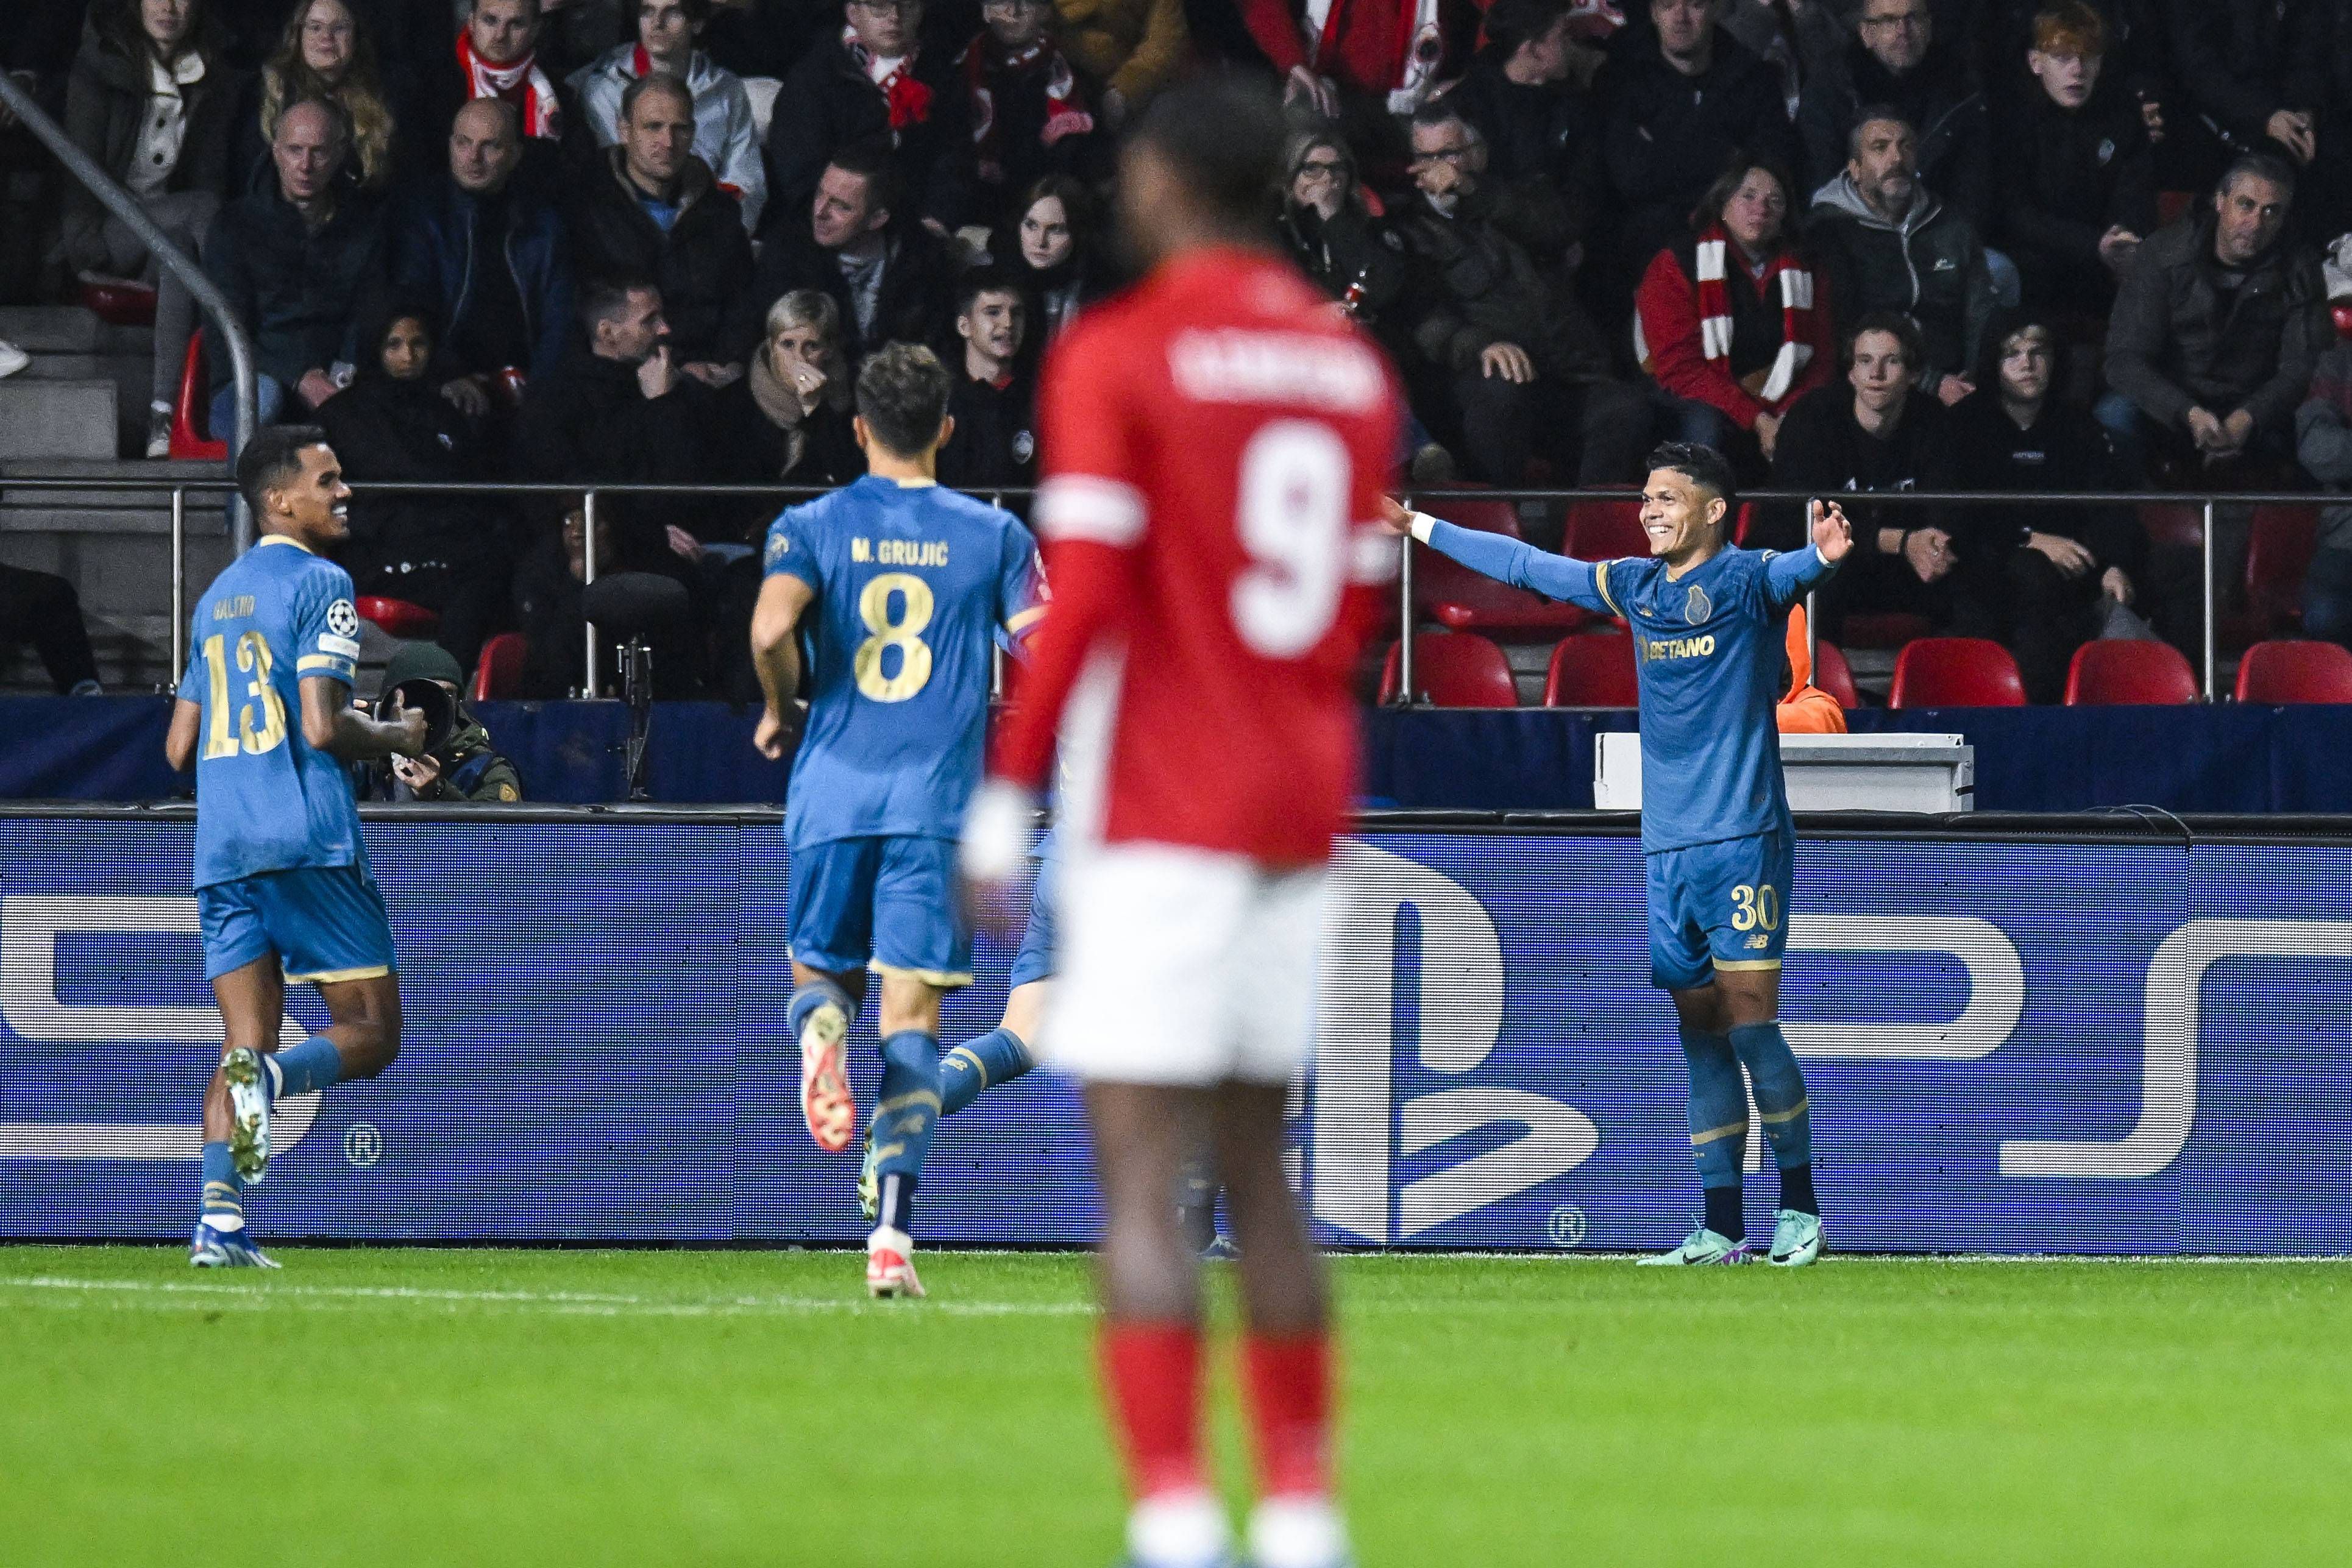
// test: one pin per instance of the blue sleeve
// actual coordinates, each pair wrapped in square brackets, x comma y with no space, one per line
[326,627]
[192,679]
[1506,559]
[789,552]
[1020,601]
[1788,577]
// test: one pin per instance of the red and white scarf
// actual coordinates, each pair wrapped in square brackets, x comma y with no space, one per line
[1065,111]
[521,83]
[1795,286]
[910,99]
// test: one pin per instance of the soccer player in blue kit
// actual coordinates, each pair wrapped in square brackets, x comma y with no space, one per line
[1717,841]
[283,888]
[904,587]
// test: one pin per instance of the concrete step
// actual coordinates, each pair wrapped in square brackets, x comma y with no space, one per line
[58,419]
[71,329]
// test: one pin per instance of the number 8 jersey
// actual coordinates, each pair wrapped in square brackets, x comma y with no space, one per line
[912,583]
[266,799]
[1215,443]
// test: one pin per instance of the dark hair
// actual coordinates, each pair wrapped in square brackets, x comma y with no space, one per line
[873,161]
[1703,467]
[653,81]
[1736,170]
[697,11]
[1512,23]
[1440,111]
[602,298]
[994,278]
[121,25]
[902,395]
[1865,115]
[272,457]
[1079,210]
[1894,324]
[2260,166]
[377,326]
[1223,134]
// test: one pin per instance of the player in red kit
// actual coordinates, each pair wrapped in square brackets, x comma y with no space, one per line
[1214,445]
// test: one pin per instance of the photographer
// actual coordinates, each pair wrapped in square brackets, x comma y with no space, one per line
[459,762]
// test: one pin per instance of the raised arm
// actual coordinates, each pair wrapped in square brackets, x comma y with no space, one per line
[1788,577]
[1519,564]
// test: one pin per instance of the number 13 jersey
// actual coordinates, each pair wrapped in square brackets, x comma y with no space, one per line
[1214,446]
[912,583]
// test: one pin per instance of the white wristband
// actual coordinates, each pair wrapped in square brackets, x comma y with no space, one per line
[1421,524]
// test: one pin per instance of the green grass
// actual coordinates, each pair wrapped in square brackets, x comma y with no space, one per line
[497,1407]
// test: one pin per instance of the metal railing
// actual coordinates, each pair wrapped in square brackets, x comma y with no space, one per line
[2207,502]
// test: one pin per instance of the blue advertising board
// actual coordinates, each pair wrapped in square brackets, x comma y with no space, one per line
[2014,1044]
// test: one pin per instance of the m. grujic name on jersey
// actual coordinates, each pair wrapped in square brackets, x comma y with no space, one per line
[1657,648]
[899,552]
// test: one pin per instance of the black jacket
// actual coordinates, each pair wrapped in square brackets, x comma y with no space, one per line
[1930,266]
[2179,341]
[2067,177]
[827,103]
[917,296]
[106,100]
[749,449]
[1475,286]
[1824,451]
[592,422]
[1666,136]
[2237,62]
[1548,133]
[1354,250]
[1943,104]
[439,246]
[995,439]
[703,264]
[386,430]
[2063,449]
[302,293]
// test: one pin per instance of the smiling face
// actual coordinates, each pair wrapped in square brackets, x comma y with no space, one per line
[408,349]
[314,505]
[1681,516]
[1045,239]
[328,39]
[1881,373]
[995,323]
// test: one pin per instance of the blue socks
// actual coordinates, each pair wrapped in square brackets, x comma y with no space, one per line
[224,1209]
[812,996]
[996,1057]
[315,1063]
[1719,1128]
[1782,1107]
[905,1117]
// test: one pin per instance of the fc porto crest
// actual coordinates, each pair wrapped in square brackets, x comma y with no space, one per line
[1695,609]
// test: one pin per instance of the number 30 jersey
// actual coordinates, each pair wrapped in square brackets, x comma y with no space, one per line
[1215,443]
[912,583]
[266,799]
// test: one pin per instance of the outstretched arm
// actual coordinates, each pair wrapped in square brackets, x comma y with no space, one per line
[1507,559]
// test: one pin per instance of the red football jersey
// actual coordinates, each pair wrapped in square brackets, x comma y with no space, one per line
[1215,443]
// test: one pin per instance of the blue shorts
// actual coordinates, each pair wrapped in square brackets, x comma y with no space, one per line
[323,923]
[883,904]
[1723,905]
[1034,962]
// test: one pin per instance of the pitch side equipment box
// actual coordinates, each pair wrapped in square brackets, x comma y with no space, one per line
[1935,773]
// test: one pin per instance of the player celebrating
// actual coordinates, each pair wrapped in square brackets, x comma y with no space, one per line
[1213,443]
[913,582]
[283,881]
[1717,838]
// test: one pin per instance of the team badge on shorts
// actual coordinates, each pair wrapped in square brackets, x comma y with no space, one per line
[343,620]
[1697,609]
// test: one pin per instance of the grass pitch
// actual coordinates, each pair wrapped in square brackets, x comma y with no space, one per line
[498,1408]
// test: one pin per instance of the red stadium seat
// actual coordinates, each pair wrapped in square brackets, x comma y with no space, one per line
[2295,671]
[1464,600]
[1885,629]
[1452,669]
[1606,531]
[397,617]
[2341,313]
[2171,206]
[2116,673]
[1594,671]
[188,441]
[2177,525]
[120,302]
[1834,675]
[499,671]
[1743,522]
[1955,672]
[2280,543]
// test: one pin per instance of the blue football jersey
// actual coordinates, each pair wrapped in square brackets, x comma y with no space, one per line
[1708,646]
[913,582]
[266,799]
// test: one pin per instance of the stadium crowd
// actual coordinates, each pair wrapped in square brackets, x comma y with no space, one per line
[1859,245]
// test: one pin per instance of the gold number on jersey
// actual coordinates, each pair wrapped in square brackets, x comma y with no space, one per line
[1293,520]
[252,659]
[1756,907]
[906,635]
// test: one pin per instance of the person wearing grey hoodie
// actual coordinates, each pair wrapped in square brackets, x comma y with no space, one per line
[1886,242]
[2323,444]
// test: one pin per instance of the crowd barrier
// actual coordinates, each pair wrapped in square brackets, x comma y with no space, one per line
[2068,1038]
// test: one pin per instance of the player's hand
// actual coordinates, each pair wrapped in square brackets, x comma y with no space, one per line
[421,774]
[2116,585]
[410,741]
[1394,517]
[1929,551]
[2067,556]
[773,737]
[1509,361]
[997,829]
[1832,535]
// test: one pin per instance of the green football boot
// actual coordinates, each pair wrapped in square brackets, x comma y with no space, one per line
[1795,1238]
[1703,1246]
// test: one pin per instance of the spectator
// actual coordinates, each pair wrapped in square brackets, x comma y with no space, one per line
[397,422]
[2322,429]
[1126,50]
[1357,258]
[37,52]
[1353,64]
[2216,329]
[880,81]
[2044,579]
[1515,369]
[1681,98]
[669,34]
[1029,116]
[1886,242]
[2078,169]
[42,608]
[1052,239]
[547,604]
[485,258]
[1538,123]
[2324,54]
[328,54]
[788,419]
[465,767]
[1804,40]
[1899,62]
[296,260]
[496,55]
[1734,328]
[762,38]
[2247,82]
[993,398]
[1873,436]
[622,412]
[149,99]
[890,278]
[653,209]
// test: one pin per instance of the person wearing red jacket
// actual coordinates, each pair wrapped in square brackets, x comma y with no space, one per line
[1732,322]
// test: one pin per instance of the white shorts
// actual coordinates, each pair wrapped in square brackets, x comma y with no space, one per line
[1184,967]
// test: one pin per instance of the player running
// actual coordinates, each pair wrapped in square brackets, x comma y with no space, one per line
[910,583]
[1717,838]
[1214,444]
[283,887]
